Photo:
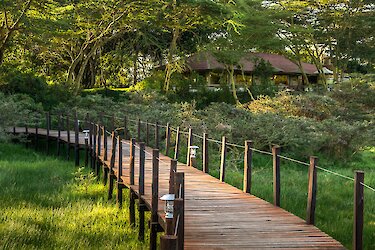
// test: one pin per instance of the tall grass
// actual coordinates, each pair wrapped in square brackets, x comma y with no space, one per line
[44,207]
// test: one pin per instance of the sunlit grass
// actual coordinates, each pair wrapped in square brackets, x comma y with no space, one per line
[42,207]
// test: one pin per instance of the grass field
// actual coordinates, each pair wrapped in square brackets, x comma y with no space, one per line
[44,205]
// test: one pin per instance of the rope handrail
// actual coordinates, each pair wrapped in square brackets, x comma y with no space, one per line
[367,186]
[334,173]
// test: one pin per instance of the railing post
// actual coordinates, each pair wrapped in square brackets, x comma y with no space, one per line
[248,158]
[147,133]
[276,175]
[223,158]
[76,141]
[120,185]
[48,125]
[168,242]
[59,126]
[178,208]
[68,137]
[157,135]
[189,143]
[177,144]
[126,135]
[172,171]
[139,130]
[105,154]
[27,135]
[93,149]
[358,210]
[131,160]
[141,192]
[86,152]
[167,139]
[110,171]
[312,188]
[98,150]
[205,153]
[155,199]
[36,133]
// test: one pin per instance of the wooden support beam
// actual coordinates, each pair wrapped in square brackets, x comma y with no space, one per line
[358,210]
[98,150]
[93,149]
[248,159]
[105,144]
[155,199]
[157,135]
[172,171]
[276,150]
[179,184]
[168,242]
[86,152]
[177,144]
[126,134]
[147,133]
[189,144]
[178,208]
[111,166]
[59,127]
[131,160]
[48,127]
[167,139]
[139,130]
[141,211]
[205,153]
[119,174]
[76,140]
[223,158]
[113,125]
[36,133]
[105,154]
[141,176]
[312,188]
[68,137]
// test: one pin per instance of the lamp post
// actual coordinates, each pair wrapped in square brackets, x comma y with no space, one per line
[193,155]
[168,210]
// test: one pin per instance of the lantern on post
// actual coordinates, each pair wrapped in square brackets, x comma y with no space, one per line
[193,155]
[168,207]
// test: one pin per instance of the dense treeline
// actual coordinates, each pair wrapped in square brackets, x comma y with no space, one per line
[82,44]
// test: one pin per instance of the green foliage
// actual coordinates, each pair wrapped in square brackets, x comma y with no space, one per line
[83,179]
[43,208]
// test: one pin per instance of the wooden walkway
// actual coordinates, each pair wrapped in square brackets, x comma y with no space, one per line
[217,215]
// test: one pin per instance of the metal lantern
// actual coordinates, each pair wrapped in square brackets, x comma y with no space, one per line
[193,151]
[86,131]
[168,207]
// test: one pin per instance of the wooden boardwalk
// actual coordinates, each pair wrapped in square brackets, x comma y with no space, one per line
[217,215]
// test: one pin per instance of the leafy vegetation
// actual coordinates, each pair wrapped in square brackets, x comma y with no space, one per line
[45,207]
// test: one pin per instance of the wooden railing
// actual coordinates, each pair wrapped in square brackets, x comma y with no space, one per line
[94,157]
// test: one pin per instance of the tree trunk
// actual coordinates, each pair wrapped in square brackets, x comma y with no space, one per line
[233,84]
[135,66]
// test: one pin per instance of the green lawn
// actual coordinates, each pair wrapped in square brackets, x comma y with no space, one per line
[44,207]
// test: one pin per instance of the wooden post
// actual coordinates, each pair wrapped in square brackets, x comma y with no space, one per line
[126,135]
[168,242]
[147,133]
[167,139]
[68,137]
[86,152]
[189,143]
[312,188]
[141,192]
[48,125]
[105,145]
[93,149]
[205,153]
[139,130]
[223,158]
[119,174]
[172,171]
[177,145]
[27,135]
[248,158]
[178,208]
[276,150]
[59,126]
[358,210]
[76,141]
[98,150]
[111,166]
[155,199]
[131,160]
[157,135]
[113,126]
[36,134]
